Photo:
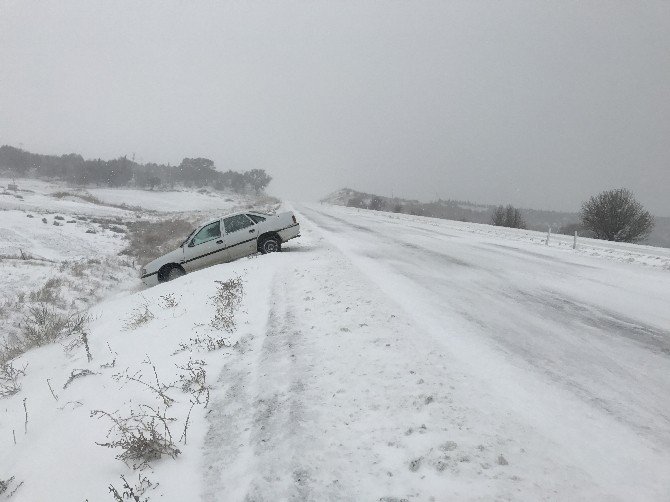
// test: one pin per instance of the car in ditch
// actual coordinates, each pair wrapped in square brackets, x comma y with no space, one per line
[223,240]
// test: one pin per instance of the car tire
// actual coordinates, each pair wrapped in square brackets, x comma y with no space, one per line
[269,244]
[174,273]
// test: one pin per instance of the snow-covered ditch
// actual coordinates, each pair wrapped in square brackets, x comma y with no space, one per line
[70,247]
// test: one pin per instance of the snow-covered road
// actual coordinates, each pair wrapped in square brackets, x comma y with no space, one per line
[405,360]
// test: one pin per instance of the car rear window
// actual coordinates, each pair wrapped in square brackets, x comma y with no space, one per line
[256,218]
[235,223]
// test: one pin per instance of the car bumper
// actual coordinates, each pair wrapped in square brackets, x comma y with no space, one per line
[150,279]
[290,232]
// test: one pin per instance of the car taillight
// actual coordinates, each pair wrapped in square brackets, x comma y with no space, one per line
[294,220]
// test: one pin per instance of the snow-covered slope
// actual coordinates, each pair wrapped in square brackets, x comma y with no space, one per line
[60,245]
[380,357]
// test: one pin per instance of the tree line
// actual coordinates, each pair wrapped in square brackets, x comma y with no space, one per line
[73,168]
[612,215]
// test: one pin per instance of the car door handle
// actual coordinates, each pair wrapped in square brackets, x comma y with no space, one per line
[252,230]
[219,242]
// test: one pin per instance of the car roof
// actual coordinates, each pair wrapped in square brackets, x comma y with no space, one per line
[202,223]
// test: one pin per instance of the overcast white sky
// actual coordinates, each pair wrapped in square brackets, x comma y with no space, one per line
[536,103]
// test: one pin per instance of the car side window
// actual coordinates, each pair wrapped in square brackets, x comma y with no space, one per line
[207,233]
[256,218]
[237,222]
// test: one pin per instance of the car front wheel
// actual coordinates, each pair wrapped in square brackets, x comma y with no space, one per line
[175,273]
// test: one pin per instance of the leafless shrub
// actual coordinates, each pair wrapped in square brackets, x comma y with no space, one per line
[48,293]
[77,373]
[76,268]
[168,301]
[615,215]
[159,388]
[5,484]
[9,379]
[42,324]
[85,196]
[227,298]
[138,317]
[58,217]
[143,437]
[132,493]
[193,380]
[9,349]
[207,342]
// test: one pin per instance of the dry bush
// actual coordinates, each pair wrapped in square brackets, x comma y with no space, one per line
[132,493]
[151,239]
[193,380]
[9,349]
[143,437]
[138,317]
[207,342]
[9,379]
[159,388]
[77,373]
[227,298]
[49,293]
[5,484]
[85,196]
[168,301]
[42,325]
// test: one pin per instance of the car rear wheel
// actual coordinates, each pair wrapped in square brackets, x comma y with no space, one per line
[269,244]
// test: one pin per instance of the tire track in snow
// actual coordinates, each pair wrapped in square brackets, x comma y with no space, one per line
[279,410]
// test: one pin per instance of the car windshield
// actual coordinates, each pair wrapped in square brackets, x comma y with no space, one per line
[189,237]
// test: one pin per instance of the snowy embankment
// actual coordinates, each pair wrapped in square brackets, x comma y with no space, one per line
[61,245]
[377,358]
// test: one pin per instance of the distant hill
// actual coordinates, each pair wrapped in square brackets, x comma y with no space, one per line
[458,210]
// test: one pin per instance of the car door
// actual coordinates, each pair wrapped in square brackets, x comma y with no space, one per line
[205,248]
[240,236]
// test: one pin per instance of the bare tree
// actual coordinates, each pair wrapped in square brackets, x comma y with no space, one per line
[615,215]
[507,217]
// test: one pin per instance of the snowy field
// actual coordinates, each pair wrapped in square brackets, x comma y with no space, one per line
[380,357]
